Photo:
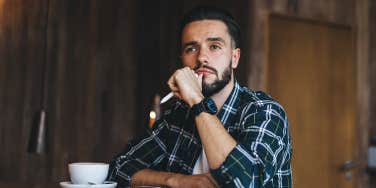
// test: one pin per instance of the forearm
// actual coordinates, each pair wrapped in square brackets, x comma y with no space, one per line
[216,141]
[152,177]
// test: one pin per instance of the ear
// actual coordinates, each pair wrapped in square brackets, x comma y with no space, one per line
[235,58]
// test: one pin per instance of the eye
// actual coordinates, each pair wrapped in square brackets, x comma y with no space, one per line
[215,47]
[190,49]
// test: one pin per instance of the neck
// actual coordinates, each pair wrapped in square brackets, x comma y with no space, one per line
[220,97]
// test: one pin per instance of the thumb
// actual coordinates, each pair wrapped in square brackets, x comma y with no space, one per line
[200,80]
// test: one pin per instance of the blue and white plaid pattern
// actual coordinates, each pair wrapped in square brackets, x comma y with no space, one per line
[258,124]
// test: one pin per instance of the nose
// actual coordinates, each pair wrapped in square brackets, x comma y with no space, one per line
[202,56]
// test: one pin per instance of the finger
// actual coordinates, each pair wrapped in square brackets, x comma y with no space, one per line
[173,87]
[190,75]
[172,84]
[193,73]
[170,81]
[187,73]
[180,75]
[200,80]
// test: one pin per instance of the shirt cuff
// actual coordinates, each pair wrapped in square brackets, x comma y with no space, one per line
[233,167]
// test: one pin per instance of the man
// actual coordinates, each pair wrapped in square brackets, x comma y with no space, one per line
[217,134]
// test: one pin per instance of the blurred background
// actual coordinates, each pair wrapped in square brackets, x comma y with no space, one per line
[78,79]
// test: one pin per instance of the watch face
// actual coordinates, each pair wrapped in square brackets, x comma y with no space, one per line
[211,107]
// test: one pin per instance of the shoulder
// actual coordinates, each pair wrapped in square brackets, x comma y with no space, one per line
[258,101]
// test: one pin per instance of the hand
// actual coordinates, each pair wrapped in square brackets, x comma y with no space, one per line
[194,181]
[186,86]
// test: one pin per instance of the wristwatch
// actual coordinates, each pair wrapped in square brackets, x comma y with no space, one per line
[206,105]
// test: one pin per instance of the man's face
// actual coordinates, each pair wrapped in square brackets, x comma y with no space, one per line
[207,48]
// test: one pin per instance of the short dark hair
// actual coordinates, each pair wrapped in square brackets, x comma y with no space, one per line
[212,13]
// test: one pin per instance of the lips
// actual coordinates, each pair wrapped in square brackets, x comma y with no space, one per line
[204,71]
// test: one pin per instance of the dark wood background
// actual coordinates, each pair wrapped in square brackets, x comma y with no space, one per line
[99,64]
[81,48]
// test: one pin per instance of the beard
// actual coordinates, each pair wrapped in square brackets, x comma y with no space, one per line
[218,84]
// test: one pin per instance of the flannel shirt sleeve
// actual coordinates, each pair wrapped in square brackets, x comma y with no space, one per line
[262,149]
[145,152]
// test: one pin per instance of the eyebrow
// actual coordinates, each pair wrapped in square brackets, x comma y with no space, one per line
[219,39]
[211,39]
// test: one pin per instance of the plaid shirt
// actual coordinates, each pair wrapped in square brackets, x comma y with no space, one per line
[261,157]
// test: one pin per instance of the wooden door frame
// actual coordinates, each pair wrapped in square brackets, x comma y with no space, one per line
[258,66]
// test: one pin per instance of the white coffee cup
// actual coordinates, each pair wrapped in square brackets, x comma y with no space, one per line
[88,173]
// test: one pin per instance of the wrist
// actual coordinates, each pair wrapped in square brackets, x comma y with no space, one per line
[195,100]
[205,105]
[172,180]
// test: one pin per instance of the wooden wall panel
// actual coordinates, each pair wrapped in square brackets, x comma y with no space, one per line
[333,11]
[372,76]
[93,80]
[348,13]
[22,41]
[89,48]
[361,28]
[372,68]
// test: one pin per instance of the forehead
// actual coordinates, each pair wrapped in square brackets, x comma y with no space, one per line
[203,29]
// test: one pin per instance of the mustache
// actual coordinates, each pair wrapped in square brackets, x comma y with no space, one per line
[206,67]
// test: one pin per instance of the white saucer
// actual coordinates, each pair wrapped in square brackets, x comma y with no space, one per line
[107,184]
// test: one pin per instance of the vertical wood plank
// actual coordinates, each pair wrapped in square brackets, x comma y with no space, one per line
[364,84]
[22,56]
[93,87]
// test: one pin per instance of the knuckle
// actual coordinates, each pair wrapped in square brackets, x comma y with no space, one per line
[178,73]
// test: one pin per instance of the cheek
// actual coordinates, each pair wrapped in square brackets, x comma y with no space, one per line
[225,66]
[188,61]
[219,54]
[222,62]
[222,57]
